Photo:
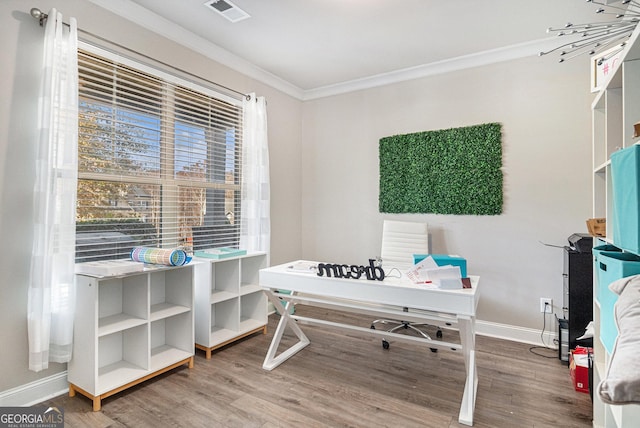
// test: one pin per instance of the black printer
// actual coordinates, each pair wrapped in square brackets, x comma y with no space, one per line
[581,242]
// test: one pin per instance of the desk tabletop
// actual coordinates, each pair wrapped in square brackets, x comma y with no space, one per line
[400,291]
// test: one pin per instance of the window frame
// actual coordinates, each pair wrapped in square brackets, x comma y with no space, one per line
[168,181]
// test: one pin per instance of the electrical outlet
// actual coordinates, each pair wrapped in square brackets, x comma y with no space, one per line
[546,305]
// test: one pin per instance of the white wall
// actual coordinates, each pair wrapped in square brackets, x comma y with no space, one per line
[544,108]
[20,58]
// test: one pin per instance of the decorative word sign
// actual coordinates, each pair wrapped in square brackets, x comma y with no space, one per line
[372,272]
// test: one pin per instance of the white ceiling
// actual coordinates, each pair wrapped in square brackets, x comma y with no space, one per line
[309,48]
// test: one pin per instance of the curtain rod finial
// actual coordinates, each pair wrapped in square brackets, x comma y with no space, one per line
[38,14]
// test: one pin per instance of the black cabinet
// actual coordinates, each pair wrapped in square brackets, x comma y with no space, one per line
[578,295]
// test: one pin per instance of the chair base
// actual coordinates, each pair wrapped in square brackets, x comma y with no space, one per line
[399,325]
[407,325]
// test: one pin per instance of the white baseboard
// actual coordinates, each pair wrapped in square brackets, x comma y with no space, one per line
[35,392]
[44,389]
[517,334]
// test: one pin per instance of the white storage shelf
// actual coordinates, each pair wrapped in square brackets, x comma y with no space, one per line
[229,302]
[614,111]
[130,328]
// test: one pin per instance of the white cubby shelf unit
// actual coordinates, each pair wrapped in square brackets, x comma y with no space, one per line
[229,304]
[616,108]
[130,328]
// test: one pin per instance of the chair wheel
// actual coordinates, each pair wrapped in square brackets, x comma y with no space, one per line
[373,327]
[434,349]
[439,334]
[385,344]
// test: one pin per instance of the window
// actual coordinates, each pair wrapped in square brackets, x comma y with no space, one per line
[159,161]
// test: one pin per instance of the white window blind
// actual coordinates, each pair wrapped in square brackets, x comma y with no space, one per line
[159,161]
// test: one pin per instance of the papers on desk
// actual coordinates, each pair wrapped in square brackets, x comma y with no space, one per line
[303,267]
[428,272]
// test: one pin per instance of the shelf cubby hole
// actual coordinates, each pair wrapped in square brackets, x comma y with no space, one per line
[171,340]
[122,357]
[171,292]
[613,126]
[225,277]
[253,310]
[630,97]
[599,141]
[123,303]
[250,267]
[225,319]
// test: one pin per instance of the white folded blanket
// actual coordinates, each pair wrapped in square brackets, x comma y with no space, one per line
[621,384]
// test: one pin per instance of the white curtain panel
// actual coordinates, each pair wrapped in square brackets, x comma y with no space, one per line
[51,301]
[255,231]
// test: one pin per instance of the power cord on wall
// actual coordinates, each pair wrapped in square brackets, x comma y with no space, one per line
[544,328]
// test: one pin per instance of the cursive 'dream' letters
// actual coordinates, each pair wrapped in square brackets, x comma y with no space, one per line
[372,271]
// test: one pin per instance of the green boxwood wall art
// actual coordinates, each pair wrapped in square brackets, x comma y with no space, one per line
[449,171]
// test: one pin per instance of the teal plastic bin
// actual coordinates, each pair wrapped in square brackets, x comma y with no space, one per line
[611,267]
[625,182]
[603,290]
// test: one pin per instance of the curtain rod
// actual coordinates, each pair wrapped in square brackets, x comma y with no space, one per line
[42,17]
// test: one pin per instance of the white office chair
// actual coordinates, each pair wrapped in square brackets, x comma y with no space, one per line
[400,241]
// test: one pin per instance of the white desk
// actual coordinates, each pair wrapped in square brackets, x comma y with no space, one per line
[380,299]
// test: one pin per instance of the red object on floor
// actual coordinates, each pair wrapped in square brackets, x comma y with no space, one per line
[579,362]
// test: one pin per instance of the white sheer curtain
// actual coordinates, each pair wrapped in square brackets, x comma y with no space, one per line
[255,232]
[51,300]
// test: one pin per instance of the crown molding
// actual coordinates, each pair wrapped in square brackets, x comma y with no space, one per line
[478,59]
[157,24]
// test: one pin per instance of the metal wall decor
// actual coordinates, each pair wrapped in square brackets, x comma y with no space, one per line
[593,38]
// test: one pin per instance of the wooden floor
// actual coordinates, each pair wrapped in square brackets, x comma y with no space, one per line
[345,381]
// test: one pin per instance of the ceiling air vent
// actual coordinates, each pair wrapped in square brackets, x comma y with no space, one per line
[227,9]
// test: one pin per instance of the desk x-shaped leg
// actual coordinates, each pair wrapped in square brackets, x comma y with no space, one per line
[272,361]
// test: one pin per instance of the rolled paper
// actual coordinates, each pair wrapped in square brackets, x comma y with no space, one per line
[160,256]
